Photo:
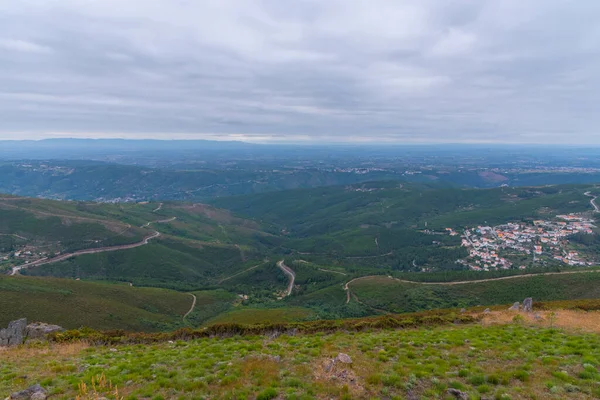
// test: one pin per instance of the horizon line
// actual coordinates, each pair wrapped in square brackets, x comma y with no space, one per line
[315,142]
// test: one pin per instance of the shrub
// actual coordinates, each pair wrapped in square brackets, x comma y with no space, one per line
[267,394]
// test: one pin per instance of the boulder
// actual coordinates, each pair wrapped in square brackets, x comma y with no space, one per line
[39,330]
[457,394]
[35,392]
[528,304]
[14,335]
[344,358]
[463,310]
[487,311]
[515,307]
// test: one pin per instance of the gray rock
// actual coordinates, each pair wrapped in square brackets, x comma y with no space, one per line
[35,392]
[39,330]
[515,307]
[462,310]
[14,335]
[329,364]
[344,358]
[458,394]
[528,304]
[487,311]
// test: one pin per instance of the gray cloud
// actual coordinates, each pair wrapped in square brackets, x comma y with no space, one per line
[358,70]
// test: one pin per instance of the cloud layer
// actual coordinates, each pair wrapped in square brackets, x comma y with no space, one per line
[302,70]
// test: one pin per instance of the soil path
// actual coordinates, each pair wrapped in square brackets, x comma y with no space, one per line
[192,307]
[239,273]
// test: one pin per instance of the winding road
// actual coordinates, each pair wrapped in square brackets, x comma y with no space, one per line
[62,257]
[593,201]
[291,274]
[15,270]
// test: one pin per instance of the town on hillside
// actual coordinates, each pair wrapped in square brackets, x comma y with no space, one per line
[492,248]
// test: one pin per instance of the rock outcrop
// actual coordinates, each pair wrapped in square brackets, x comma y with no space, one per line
[40,330]
[528,304]
[35,392]
[515,307]
[14,335]
[18,332]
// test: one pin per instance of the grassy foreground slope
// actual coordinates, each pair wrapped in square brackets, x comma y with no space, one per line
[73,304]
[519,360]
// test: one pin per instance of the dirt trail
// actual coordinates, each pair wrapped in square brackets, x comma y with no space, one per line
[347,288]
[158,208]
[160,221]
[239,273]
[13,235]
[380,255]
[333,272]
[192,307]
[292,275]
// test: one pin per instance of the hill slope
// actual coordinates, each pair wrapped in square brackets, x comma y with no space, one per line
[73,304]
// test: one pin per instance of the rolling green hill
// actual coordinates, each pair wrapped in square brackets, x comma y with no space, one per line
[197,245]
[73,304]
[389,295]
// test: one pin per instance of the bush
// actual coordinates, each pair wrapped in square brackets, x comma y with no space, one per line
[267,394]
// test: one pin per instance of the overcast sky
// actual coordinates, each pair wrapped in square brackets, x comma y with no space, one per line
[302,70]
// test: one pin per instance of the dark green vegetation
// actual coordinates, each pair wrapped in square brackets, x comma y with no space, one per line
[399,226]
[502,361]
[73,304]
[390,295]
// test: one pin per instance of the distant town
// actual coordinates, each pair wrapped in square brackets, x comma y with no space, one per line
[492,248]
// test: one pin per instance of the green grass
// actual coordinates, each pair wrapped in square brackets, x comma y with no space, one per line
[510,361]
[73,304]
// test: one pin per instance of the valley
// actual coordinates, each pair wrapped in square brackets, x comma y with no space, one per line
[349,251]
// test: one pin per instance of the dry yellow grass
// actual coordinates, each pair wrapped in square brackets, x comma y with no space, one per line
[587,321]
[21,353]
